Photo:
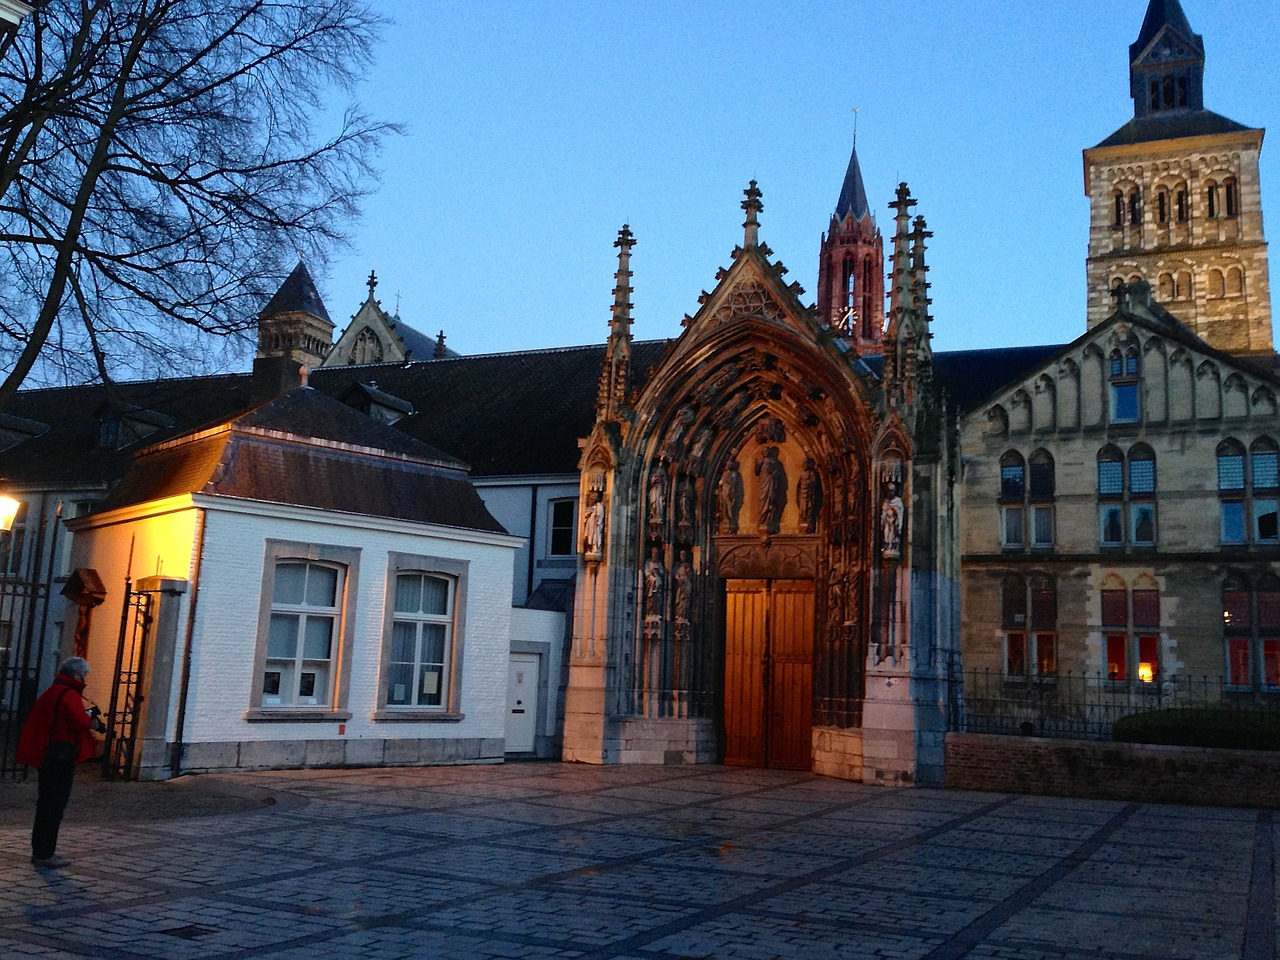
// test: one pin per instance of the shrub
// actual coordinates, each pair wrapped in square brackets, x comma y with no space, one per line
[1219,727]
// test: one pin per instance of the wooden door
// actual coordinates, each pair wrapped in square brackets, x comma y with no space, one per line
[768,686]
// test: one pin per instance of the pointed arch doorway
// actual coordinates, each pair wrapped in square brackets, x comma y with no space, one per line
[768,673]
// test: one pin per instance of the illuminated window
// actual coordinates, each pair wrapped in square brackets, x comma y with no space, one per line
[1029,616]
[1251,633]
[1131,634]
[1123,377]
[422,655]
[304,622]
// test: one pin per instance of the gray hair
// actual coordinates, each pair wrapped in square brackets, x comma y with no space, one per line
[76,666]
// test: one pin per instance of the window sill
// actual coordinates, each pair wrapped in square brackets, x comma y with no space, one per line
[293,715]
[417,716]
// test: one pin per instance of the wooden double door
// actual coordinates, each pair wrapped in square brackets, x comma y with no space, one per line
[768,673]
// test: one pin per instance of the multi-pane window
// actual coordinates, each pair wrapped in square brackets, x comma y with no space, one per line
[306,602]
[1131,634]
[1251,633]
[1126,497]
[1248,491]
[561,528]
[1026,500]
[1123,369]
[420,663]
[1029,616]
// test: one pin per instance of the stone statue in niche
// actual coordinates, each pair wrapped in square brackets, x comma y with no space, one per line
[686,508]
[892,516]
[809,496]
[657,497]
[835,600]
[699,449]
[773,489]
[655,584]
[593,524]
[729,497]
[684,587]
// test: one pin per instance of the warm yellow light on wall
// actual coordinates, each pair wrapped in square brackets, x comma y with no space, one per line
[1146,672]
[8,512]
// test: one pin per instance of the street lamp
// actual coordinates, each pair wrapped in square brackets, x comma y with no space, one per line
[8,505]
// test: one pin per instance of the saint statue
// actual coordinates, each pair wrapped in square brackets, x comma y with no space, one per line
[773,489]
[729,497]
[655,581]
[892,515]
[687,503]
[809,496]
[684,587]
[593,525]
[657,496]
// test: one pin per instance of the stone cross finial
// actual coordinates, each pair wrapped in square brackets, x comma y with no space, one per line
[753,206]
[372,282]
[440,346]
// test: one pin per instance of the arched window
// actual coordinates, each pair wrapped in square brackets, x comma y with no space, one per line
[1165,290]
[1183,290]
[1213,198]
[1232,197]
[1162,207]
[1232,493]
[1123,376]
[1110,497]
[1029,619]
[1184,208]
[1013,495]
[1263,488]
[1126,496]
[1217,285]
[1040,495]
[847,282]
[1135,207]
[1141,496]
[1251,632]
[1118,199]
[868,315]
[1235,282]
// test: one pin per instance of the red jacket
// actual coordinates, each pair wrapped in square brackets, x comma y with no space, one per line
[71,723]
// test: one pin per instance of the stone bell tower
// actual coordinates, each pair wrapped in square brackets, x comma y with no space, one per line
[1175,198]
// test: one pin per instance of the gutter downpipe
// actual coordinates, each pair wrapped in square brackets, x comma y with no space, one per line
[175,755]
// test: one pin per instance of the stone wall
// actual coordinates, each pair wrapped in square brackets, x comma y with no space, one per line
[1113,771]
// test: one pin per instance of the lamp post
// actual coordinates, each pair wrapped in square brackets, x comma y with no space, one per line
[8,506]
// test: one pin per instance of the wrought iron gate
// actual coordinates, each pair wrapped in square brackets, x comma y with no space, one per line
[26,575]
[127,686]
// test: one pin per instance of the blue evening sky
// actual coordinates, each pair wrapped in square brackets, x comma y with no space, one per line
[536,128]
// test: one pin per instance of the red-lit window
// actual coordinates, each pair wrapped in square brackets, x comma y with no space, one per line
[1131,634]
[1251,632]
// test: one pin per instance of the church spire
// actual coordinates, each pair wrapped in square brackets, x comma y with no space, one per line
[851,267]
[853,193]
[615,378]
[1166,62]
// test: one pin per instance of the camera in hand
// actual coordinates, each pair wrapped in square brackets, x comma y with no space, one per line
[95,719]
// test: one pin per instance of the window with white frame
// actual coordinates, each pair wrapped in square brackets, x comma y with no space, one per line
[1029,617]
[1131,634]
[421,641]
[304,626]
[421,675]
[1013,494]
[1248,492]
[1251,632]
[561,529]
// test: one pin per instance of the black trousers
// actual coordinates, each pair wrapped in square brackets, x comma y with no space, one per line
[55,782]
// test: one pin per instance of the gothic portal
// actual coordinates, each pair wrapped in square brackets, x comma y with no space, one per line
[758,521]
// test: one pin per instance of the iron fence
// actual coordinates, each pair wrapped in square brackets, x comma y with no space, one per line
[1087,706]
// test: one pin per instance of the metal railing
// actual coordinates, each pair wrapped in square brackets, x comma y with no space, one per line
[1087,706]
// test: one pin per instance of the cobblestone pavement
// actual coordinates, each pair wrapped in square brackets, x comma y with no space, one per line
[544,860]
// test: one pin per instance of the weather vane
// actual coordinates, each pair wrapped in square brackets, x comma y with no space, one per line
[855,123]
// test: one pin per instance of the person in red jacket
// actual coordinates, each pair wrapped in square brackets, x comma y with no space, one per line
[58,717]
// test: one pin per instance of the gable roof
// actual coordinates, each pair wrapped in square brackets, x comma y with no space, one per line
[1161,14]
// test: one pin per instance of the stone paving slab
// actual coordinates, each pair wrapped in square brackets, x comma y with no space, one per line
[545,861]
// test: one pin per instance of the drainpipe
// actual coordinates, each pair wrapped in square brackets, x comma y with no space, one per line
[533,540]
[175,756]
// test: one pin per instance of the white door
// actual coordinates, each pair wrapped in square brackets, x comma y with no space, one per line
[522,703]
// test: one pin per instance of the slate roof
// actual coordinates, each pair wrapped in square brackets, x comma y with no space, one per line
[1172,125]
[270,454]
[298,294]
[1162,13]
[853,193]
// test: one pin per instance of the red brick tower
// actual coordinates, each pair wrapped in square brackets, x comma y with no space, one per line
[851,267]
